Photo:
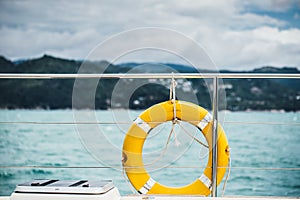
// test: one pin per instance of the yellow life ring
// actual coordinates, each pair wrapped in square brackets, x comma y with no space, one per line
[162,112]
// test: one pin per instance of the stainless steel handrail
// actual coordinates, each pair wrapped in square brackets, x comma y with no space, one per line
[130,122]
[169,166]
[214,148]
[149,75]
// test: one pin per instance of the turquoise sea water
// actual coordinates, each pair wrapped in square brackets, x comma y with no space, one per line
[259,152]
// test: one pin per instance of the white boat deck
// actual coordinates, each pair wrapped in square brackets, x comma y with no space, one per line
[169,197]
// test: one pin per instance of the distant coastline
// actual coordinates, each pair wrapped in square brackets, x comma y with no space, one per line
[241,95]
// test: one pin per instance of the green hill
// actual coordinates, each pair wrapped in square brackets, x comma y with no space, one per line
[241,94]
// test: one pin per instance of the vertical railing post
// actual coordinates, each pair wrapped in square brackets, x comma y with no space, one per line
[215,138]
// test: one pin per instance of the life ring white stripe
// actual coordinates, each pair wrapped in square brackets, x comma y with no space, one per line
[205,180]
[204,122]
[142,124]
[148,185]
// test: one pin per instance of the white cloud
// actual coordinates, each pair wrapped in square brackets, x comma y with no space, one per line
[20,43]
[233,35]
[251,48]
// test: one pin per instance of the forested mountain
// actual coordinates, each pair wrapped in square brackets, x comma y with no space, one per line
[241,94]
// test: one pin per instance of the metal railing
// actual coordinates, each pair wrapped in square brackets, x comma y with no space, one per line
[214,76]
[149,75]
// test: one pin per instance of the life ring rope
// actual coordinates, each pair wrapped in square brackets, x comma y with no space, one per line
[194,138]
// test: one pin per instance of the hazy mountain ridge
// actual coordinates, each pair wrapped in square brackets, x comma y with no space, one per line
[241,94]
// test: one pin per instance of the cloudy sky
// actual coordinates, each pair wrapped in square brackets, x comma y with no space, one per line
[236,34]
